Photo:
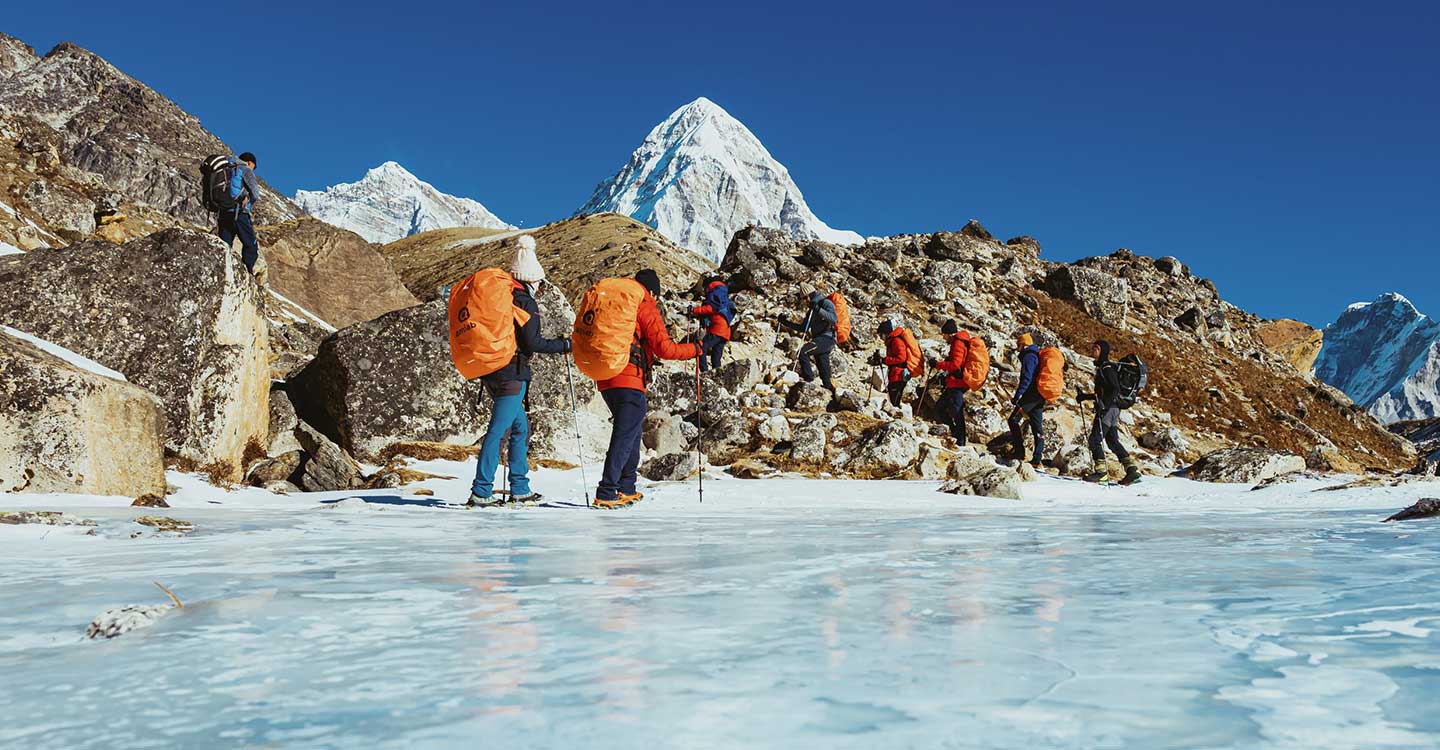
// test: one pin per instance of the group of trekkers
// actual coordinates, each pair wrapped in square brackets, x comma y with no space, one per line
[620,333]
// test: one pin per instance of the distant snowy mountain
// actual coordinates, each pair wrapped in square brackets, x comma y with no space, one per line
[1385,355]
[390,203]
[700,176]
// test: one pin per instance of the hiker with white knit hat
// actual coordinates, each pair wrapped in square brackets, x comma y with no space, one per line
[509,387]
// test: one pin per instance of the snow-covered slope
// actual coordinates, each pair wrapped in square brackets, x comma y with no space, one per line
[700,176]
[1385,355]
[390,203]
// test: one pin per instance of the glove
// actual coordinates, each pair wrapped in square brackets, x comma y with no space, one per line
[1083,397]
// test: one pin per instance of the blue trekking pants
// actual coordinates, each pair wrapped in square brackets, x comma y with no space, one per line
[507,415]
[622,461]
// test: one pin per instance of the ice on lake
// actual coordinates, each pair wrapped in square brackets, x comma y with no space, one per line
[778,614]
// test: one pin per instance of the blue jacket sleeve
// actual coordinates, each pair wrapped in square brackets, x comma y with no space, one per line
[1029,363]
[252,186]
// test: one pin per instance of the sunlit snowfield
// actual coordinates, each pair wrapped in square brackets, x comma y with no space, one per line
[781,613]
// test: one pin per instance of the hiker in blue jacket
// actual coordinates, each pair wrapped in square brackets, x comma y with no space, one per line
[717,311]
[819,325]
[1027,404]
[230,223]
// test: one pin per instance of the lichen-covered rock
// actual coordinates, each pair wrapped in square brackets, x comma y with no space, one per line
[886,449]
[392,380]
[1165,440]
[811,438]
[115,622]
[1244,465]
[42,518]
[671,467]
[662,433]
[1102,296]
[326,468]
[970,474]
[809,396]
[176,314]
[67,429]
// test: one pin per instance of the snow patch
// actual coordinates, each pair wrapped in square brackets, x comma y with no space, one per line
[79,361]
[8,249]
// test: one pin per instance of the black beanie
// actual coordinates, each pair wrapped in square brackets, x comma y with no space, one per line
[950,327]
[886,327]
[1104,350]
[650,280]
[247,156]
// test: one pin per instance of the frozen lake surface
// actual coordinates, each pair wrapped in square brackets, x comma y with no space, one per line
[778,614]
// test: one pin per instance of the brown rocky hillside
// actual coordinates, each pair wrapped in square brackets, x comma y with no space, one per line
[575,252]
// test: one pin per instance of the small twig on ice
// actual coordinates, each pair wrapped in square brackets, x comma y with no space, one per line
[170,594]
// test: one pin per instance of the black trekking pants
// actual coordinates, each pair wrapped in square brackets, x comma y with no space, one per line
[1031,410]
[1106,431]
[952,405]
[897,389]
[816,355]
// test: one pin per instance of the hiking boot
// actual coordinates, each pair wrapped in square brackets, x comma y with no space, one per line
[490,501]
[531,499]
[1132,472]
[621,501]
[1037,466]
[1098,473]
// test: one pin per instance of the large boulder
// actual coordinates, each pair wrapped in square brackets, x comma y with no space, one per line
[66,428]
[1298,343]
[1244,465]
[970,474]
[174,312]
[885,450]
[331,272]
[1102,296]
[391,380]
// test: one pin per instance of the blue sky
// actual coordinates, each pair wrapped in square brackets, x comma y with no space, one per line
[1290,152]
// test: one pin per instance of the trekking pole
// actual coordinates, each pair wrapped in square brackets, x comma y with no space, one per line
[700,418]
[579,451]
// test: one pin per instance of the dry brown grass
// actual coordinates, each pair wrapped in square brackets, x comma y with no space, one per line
[425,451]
[552,463]
[575,253]
[1180,383]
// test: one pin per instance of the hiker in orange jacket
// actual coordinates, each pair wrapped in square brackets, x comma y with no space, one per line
[952,403]
[625,395]
[897,355]
[718,311]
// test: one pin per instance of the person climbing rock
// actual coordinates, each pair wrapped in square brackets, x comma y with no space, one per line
[718,313]
[1105,429]
[965,368]
[819,326]
[233,216]
[897,358]
[625,393]
[509,388]
[1027,405]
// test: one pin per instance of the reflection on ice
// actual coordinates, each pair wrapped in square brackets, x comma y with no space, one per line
[782,628]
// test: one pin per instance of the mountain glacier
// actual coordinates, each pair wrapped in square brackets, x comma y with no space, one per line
[700,176]
[1385,355]
[391,203]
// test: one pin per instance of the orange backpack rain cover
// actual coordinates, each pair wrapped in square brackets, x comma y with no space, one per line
[842,317]
[1050,377]
[605,327]
[914,358]
[482,323]
[977,365]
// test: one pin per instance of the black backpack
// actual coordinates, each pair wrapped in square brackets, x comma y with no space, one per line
[1132,375]
[216,173]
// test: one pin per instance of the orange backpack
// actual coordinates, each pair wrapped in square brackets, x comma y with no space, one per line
[483,316]
[915,359]
[977,365]
[842,317]
[1050,377]
[605,327]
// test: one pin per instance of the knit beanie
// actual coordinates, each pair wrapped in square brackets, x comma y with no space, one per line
[950,328]
[526,267]
[650,280]
[1025,339]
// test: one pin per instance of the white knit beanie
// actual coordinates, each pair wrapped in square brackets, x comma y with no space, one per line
[526,267]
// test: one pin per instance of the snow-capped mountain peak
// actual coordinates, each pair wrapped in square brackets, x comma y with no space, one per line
[1385,355]
[700,176]
[389,203]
